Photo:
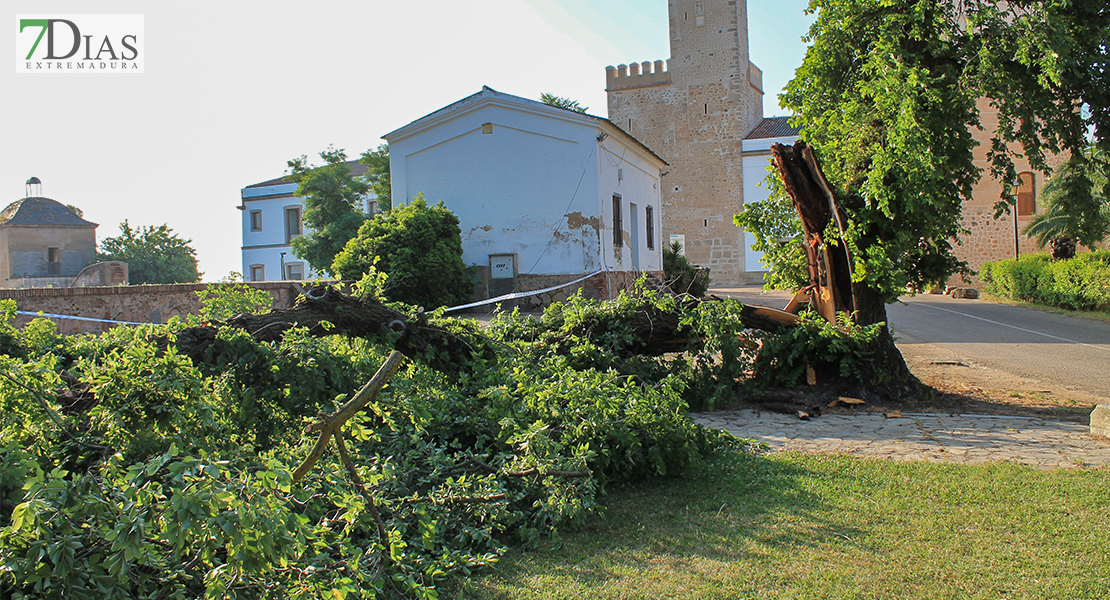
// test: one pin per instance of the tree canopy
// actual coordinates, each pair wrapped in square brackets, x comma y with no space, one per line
[889,94]
[418,247]
[153,254]
[561,102]
[332,200]
[377,174]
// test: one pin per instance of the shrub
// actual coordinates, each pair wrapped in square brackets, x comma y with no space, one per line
[682,276]
[223,300]
[418,247]
[1081,283]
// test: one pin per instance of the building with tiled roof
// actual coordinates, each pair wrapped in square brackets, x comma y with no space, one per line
[43,243]
[773,127]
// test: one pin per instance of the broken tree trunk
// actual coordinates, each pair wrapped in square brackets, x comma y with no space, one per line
[830,267]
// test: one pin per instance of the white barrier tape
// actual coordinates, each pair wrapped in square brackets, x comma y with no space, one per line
[525,294]
[53,316]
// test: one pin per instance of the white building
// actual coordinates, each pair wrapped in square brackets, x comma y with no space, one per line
[543,195]
[271,219]
[756,147]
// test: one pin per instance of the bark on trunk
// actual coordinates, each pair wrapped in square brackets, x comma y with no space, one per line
[886,375]
[830,269]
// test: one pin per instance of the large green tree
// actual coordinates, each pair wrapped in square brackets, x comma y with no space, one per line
[333,199]
[888,95]
[153,254]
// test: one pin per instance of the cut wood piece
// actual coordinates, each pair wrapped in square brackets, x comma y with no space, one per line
[811,375]
[779,316]
[847,400]
[894,414]
[800,298]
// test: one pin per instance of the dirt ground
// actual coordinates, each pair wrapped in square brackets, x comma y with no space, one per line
[975,389]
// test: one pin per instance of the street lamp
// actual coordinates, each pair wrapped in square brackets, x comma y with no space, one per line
[282,266]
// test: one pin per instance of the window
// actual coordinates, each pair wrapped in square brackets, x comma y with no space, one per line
[649,217]
[292,223]
[294,271]
[618,238]
[53,261]
[487,128]
[1026,194]
[371,207]
[258,273]
[256,220]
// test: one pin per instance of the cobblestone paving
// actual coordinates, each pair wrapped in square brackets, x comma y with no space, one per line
[921,437]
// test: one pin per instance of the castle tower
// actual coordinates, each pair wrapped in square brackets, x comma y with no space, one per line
[694,113]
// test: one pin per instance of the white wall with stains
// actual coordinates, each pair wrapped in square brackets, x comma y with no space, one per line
[532,181]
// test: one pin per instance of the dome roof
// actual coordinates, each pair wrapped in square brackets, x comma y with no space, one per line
[40,212]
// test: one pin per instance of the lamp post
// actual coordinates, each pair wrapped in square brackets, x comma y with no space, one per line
[282,266]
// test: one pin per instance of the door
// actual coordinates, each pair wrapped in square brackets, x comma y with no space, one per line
[634,227]
[502,277]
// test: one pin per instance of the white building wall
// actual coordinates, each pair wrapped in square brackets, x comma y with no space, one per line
[624,172]
[757,159]
[266,246]
[528,182]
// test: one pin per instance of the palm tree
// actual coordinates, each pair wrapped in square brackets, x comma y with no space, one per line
[1077,208]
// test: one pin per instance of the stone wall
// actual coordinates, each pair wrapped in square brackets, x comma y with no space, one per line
[990,239]
[137,303]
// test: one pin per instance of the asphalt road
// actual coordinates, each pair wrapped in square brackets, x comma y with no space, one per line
[1063,351]
[1060,351]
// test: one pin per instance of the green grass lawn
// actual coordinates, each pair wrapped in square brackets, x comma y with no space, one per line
[792,526]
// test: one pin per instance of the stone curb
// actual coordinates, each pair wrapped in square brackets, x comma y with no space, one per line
[1100,420]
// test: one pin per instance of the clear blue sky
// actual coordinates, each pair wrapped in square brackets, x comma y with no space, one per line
[232,90]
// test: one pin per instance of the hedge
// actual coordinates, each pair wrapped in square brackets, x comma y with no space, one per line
[1081,283]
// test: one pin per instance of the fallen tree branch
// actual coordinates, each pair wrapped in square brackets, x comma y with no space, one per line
[383,535]
[329,424]
[326,311]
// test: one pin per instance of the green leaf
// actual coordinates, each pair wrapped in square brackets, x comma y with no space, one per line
[18,516]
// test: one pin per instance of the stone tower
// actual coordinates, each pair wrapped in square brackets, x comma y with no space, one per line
[694,112]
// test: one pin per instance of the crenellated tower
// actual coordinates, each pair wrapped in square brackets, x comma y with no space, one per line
[694,111]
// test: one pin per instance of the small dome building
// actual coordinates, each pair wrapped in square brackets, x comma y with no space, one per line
[43,243]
